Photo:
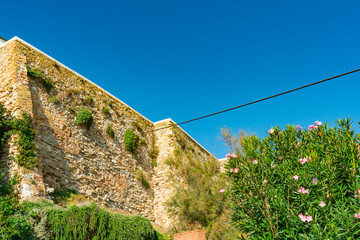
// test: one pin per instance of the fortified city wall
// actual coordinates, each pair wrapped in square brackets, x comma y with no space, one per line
[87,160]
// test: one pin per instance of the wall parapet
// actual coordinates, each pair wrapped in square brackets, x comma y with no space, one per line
[169,122]
[69,69]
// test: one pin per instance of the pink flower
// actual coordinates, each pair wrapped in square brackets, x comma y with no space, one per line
[255,161]
[298,127]
[228,156]
[271,131]
[315,181]
[222,190]
[318,123]
[305,218]
[302,190]
[303,160]
[357,215]
[311,127]
[296,177]
[322,204]
[273,165]
[236,170]
[231,170]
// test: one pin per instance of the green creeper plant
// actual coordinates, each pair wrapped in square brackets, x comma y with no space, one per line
[105,110]
[110,131]
[153,154]
[47,82]
[140,175]
[130,140]
[27,151]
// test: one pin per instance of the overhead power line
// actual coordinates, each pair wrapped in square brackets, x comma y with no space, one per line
[260,100]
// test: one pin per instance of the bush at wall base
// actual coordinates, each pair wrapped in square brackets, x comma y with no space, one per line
[298,184]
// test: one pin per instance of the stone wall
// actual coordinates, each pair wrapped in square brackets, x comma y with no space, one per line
[169,137]
[74,157]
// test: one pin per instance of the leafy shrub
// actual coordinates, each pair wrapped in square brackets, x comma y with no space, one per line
[75,199]
[27,151]
[53,99]
[84,118]
[61,196]
[130,140]
[110,131]
[153,154]
[35,73]
[105,110]
[90,222]
[140,175]
[13,226]
[298,183]
[47,82]
[89,100]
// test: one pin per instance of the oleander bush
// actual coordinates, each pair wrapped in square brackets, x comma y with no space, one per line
[297,183]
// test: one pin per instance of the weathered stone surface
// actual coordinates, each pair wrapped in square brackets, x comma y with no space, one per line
[74,157]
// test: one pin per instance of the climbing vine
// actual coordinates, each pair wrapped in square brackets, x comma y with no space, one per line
[27,152]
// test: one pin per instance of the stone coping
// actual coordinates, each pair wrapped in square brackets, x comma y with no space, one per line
[172,122]
[78,74]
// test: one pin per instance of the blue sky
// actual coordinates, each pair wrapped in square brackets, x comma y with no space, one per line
[184,59]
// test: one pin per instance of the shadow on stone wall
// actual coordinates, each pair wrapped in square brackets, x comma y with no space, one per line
[5,160]
[53,162]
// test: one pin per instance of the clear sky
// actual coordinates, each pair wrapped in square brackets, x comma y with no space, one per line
[183,59]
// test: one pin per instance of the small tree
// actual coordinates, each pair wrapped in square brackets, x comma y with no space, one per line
[298,183]
[200,197]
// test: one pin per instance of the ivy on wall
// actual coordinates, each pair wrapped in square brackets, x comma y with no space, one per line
[27,152]
[27,155]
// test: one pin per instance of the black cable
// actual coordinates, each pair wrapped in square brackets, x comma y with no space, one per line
[260,100]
